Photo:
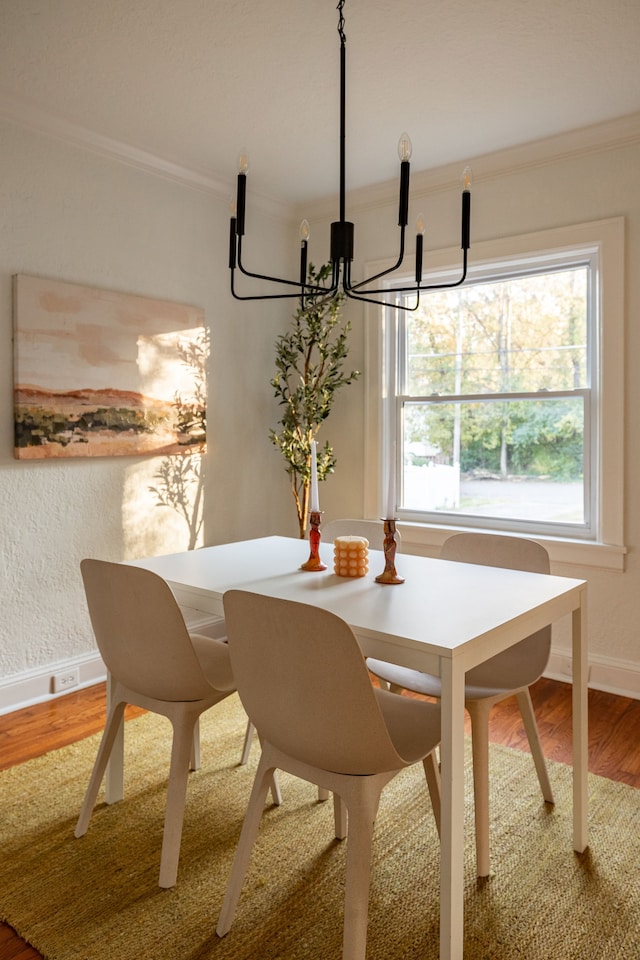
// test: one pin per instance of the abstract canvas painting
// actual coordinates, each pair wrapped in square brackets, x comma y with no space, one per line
[99,373]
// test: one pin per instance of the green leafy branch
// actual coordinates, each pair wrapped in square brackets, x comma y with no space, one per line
[309,364]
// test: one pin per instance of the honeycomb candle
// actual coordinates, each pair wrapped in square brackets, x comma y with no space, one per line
[351,556]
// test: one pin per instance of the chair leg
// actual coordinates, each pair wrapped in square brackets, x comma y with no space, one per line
[479,713]
[276,795]
[339,817]
[112,726]
[362,806]
[246,748]
[183,733]
[531,727]
[432,775]
[194,762]
[261,785]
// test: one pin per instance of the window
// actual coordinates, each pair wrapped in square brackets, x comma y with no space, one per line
[499,397]
[493,402]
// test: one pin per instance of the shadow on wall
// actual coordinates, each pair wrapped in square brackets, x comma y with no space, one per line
[180,477]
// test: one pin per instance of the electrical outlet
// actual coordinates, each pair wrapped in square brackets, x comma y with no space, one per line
[566,666]
[65,681]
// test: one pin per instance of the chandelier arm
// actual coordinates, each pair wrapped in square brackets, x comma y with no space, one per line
[350,293]
[383,273]
[417,288]
[359,298]
[328,291]
[303,288]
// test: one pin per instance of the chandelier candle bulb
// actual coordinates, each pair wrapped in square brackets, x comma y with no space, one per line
[351,556]
[405,147]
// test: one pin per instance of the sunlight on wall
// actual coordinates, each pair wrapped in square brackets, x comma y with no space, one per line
[149,529]
[161,370]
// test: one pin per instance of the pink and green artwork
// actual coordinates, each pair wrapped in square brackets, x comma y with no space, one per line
[99,373]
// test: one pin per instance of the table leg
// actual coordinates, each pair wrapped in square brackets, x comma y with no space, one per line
[580,671]
[452,828]
[114,780]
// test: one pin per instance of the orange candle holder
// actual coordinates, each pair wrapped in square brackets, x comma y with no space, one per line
[351,556]
[314,562]
[389,575]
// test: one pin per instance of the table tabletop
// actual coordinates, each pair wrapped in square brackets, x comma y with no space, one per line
[443,609]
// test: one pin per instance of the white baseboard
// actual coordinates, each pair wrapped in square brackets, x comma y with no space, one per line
[605,673]
[36,686]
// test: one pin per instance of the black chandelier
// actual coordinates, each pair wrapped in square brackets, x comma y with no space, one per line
[342,231]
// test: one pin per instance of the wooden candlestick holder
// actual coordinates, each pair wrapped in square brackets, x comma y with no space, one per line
[389,574]
[314,562]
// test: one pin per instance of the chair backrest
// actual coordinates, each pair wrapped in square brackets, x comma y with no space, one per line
[523,663]
[141,633]
[303,682]
[373,530]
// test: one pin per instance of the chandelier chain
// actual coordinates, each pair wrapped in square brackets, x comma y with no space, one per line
[341,32]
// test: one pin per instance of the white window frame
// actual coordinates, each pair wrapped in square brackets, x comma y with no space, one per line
[605,546]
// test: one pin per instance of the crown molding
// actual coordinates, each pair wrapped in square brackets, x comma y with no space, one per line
[27,114]
[610,135]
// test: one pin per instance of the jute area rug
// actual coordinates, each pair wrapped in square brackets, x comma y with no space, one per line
[97,898]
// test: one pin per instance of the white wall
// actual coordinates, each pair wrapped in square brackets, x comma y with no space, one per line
[564,182]
[70,214]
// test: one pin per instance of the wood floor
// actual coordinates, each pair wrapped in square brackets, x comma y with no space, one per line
[614,741]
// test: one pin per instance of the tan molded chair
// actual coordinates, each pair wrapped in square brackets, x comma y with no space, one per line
[510,673]
[371,530]
[155,664]
[303,682]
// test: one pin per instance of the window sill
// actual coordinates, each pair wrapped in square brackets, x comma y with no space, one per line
[424,538]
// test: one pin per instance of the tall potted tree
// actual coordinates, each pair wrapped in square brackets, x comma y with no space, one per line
[309,361]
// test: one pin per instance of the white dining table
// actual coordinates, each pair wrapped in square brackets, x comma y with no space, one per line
[446,618]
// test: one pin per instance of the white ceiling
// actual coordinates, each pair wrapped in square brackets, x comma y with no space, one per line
[195,82]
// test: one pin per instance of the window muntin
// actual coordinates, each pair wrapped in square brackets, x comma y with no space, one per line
[493,409]
[523,333]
